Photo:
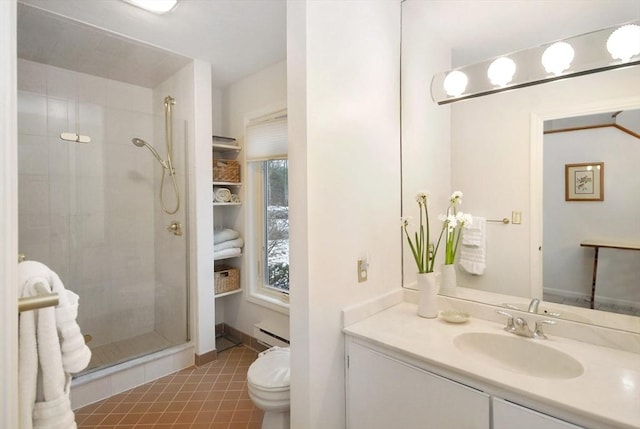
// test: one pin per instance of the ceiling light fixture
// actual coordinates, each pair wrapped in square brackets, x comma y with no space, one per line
[557,58]
[155,6]
[501,71]
[455,83]
[624,43]
[574,56]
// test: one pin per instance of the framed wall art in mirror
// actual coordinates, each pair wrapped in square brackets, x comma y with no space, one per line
[584,181]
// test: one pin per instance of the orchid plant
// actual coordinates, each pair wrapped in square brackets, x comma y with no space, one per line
[423,250]
[452,223]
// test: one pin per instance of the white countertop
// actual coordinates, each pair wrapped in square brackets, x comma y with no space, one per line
[607,393]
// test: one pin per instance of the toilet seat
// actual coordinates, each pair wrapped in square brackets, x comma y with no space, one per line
[271,371]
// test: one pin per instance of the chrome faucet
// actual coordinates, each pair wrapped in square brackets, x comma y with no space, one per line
[533,305]
[519,326]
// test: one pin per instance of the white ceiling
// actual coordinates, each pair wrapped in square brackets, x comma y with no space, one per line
[240,37]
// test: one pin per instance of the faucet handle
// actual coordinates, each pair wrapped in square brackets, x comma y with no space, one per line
[510,327]
[538,332]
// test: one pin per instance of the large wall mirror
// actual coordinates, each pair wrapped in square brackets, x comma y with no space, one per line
[494,149]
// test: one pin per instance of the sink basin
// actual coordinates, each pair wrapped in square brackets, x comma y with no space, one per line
[518,354]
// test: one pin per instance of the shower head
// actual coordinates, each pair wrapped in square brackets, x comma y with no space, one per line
[138,142]
[141,143]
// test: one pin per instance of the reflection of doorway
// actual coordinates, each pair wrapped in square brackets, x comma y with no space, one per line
[612,138]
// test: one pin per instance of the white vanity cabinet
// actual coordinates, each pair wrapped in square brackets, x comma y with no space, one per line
[383,393]
[507,415]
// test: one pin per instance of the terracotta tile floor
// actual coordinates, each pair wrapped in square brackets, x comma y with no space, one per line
[213,396]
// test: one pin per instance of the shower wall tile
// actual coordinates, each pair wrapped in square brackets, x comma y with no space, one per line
[91,120]
[62,83]
[58,118]
[92,230]
[32,77]
[92,89]
[131,97]
[59,191]
[34,195]
[118,126]
[91,195]
[32,114]
[91,159]
[59,155]
[33,154]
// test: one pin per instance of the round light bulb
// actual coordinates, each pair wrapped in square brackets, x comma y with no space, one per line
[557,58]
[501,71]
[624,43]
[455,83]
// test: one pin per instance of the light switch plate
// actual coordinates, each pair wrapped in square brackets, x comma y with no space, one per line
[516,218]
[362,270]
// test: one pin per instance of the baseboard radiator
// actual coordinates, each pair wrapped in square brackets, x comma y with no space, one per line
[268,337]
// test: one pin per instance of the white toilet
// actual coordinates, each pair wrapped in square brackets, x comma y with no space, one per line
[268,385]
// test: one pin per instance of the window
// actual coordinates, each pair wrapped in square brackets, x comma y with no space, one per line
[268,211]
[276,221]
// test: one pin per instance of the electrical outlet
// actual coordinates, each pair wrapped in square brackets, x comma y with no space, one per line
[516,218]
[363,266]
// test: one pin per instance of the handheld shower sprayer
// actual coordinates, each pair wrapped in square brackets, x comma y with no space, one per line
[141,143]
[168,164]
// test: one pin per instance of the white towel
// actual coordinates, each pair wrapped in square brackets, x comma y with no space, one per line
[473,247]
[222,195]
[473,234]
[227,253]
[224,234]
[238,242]
[51,347]
[235,198]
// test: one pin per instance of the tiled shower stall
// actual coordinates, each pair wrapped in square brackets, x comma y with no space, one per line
[91,211]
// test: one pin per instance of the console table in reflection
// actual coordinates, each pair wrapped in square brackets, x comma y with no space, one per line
[597,244]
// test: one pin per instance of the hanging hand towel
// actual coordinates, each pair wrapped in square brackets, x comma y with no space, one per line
[472,252]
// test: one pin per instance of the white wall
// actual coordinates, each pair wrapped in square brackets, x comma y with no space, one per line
[568,268]
[255,95]
[491,164]
[343,98]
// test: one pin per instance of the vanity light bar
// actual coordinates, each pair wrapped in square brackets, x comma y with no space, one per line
[587,53]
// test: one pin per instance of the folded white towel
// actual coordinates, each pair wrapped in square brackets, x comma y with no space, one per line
[472,259]
[235,198]
[238,242]
[222,195]
[224,234]
[227,253]
[473,249]
[473,234]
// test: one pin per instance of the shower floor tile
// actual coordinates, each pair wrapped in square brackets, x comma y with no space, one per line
[119,351]
[212,396]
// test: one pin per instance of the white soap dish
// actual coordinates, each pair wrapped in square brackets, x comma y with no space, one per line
[454,316]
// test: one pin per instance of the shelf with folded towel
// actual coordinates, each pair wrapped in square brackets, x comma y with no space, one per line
[217,204]
[222,258]
[227,184]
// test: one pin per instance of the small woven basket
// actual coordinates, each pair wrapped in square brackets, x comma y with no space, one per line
[226,279]
[226,170]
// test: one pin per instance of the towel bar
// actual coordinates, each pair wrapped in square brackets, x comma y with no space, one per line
[504,220]
[37,302]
